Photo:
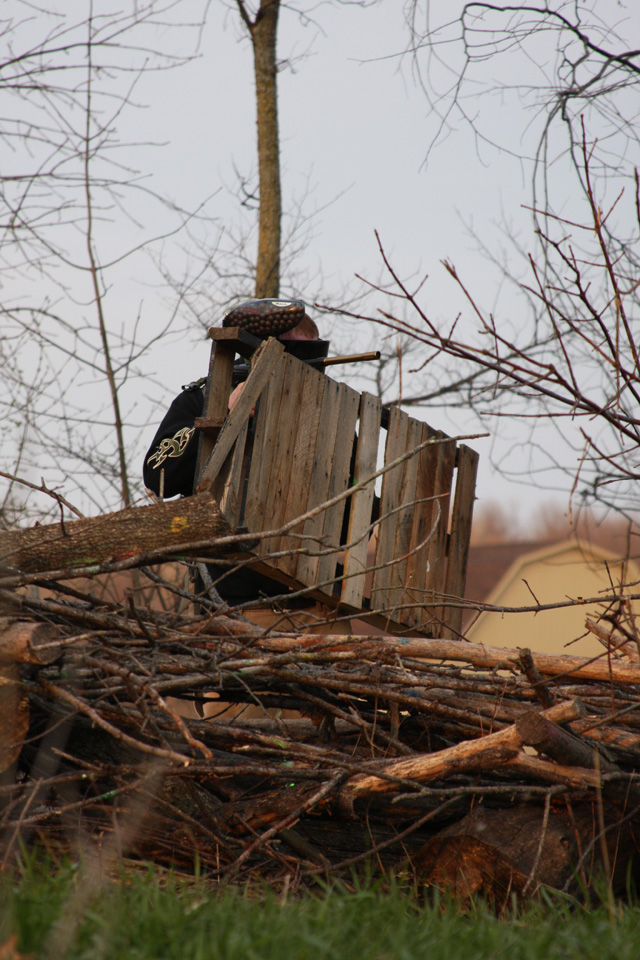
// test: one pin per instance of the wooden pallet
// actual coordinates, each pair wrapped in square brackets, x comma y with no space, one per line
[308,441]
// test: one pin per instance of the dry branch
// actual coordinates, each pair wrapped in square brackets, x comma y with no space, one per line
[482,754]
[315,750]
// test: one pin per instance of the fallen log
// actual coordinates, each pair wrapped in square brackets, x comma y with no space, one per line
[83,545]
[28,642]
[498,853]
[14,715]
[538,731]
[567,748]
[478,655]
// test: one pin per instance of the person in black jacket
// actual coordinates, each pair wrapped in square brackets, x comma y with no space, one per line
[170,464]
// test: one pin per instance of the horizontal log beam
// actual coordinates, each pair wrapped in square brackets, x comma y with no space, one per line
[87,543]
[479,655]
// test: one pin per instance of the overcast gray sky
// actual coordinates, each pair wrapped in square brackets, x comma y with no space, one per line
[358,144]
[358,152]
[356,130]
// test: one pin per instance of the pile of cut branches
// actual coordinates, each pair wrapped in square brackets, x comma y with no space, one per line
[205,740]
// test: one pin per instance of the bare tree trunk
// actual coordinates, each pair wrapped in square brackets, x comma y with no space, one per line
[263,31]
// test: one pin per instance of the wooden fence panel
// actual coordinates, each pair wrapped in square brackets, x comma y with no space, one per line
[297,452]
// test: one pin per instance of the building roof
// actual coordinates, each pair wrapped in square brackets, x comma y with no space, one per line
[516,578]
[487,565]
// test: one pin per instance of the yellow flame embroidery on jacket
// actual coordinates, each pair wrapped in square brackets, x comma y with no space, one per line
[171,447]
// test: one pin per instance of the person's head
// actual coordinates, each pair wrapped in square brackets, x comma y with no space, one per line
[303,341]
[305,330]
[277,318]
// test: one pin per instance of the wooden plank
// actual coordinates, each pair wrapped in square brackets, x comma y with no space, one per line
[281,474]
[216,399]
[307,569]
[404,523]
[395,446]
[228,487]
[340,458]
[256,511]
[459,537]
[302,462]
[362,502]
[242,342]
[423,520]
[264,362]
[438,544]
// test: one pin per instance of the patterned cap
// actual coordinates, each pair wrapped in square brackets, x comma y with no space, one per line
[266,318]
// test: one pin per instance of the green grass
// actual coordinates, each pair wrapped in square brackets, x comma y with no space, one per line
[56,914]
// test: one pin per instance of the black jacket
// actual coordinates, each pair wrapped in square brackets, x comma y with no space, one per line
[174,449]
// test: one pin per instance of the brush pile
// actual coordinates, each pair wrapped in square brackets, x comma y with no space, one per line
[483,770]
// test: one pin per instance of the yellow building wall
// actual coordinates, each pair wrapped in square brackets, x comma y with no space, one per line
[553,576]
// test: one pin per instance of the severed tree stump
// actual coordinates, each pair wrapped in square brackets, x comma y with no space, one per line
[14,715]
[20,642]
[494,853]
[28,642]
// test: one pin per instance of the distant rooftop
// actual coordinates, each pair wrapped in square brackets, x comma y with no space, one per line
[487,565]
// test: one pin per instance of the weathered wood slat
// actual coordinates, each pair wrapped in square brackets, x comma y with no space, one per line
[340,463]
[228,489]
[396,445]
[362,502]
[458,553]
[320,478]
[265,360]
[446,453]
[281,476]
[424,515]
[403,566]
[256,512]
[308,418]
